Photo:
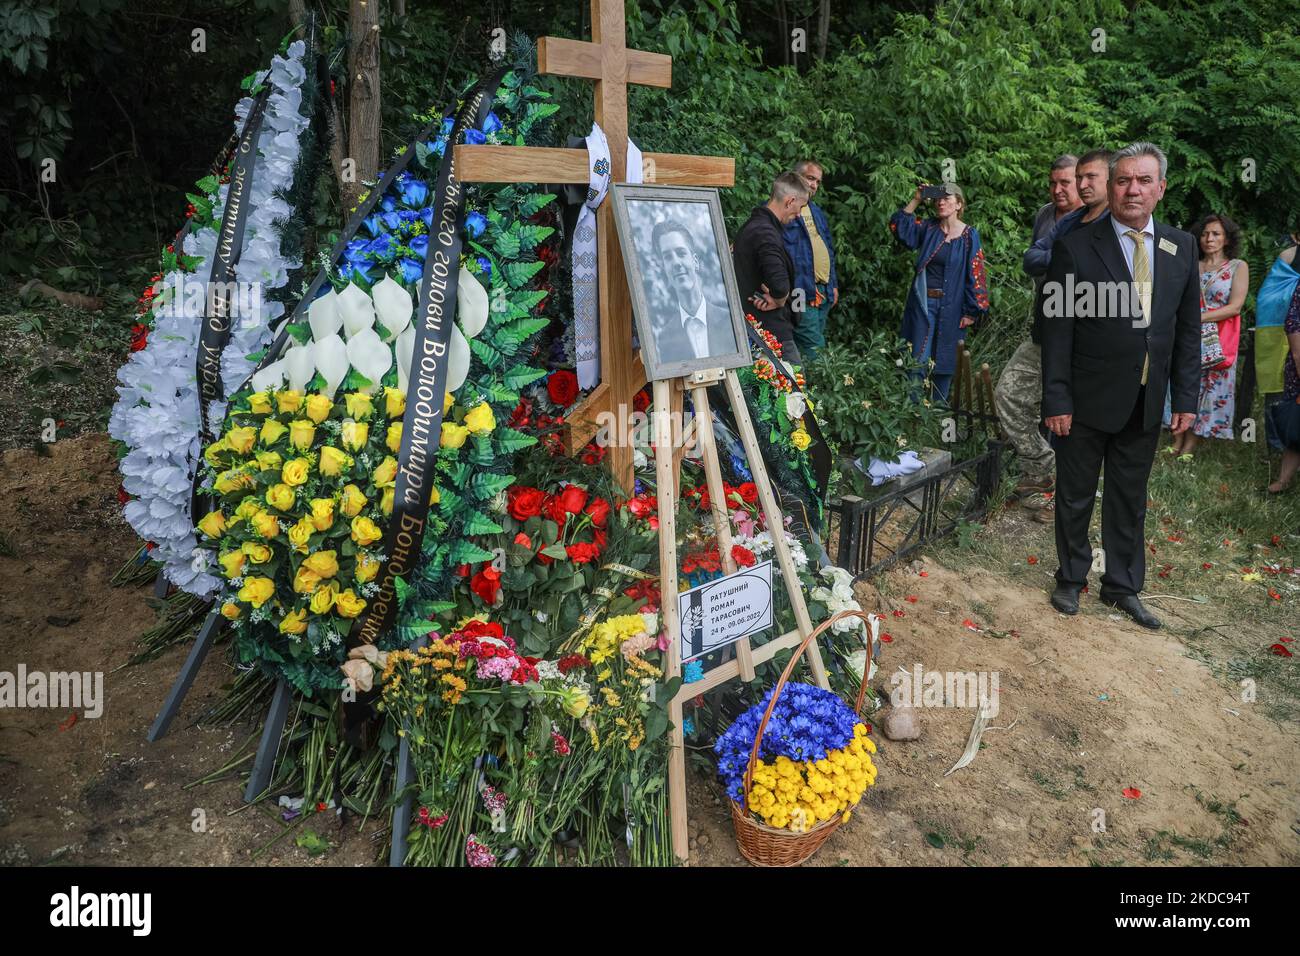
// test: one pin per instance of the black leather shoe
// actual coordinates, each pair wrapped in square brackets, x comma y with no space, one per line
[1065,598]
[1135,609]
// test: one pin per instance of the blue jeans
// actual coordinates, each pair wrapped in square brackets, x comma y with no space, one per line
[940,383]
[810,333]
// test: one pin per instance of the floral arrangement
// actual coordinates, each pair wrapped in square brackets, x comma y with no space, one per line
[814,759]
[156,417]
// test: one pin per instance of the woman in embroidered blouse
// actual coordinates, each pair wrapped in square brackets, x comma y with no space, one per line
[1284,415]
[949,292]
[1225,281]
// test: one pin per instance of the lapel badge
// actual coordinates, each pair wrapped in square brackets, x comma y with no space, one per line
[1168,247]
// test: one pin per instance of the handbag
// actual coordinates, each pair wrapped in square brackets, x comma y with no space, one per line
[1219,339]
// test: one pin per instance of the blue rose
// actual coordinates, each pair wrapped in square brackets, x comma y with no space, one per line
[475,137]
[354,271]
[414,193]
[392,220]
[475,224]
[426,217]
[447,123]
[388,204]
[412,270]
[485,266]
[381,245]
[419,245]
[371,224]
[491,124]
[355,251]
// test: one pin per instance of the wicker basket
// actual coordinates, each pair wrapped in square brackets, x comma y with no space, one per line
[759,843]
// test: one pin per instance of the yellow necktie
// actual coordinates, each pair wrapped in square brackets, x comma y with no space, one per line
[1142,277]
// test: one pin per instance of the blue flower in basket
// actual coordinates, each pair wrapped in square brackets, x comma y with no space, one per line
[485,266]
[388,204]
[414,192]
[475,137]
[492,123]
[372,224]
[693,671]
[355,270]
[426,217]
[381,246]
[475,223]
[419,245]
[412,269]
[447,123]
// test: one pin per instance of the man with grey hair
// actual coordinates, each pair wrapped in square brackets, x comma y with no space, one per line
[764,269]
[808,240]
[1020,387]
[1120,322]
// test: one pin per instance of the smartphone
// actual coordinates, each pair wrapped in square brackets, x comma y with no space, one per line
[933,192]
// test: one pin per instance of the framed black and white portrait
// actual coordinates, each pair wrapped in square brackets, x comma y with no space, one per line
[679,271]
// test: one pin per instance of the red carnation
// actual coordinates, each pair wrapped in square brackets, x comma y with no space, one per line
[748,492]
[598,510]
[524,502]
[573,499]
[571,661]
[743,556]
[487,584]
[562,386]
[482,629]
[582,552]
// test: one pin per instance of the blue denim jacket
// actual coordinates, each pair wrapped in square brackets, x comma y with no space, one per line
[799,244]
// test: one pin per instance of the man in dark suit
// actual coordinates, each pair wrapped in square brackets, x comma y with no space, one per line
[693,327]
[1120,321]
[764,270]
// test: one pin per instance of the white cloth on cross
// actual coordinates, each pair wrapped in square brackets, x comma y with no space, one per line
[586,287]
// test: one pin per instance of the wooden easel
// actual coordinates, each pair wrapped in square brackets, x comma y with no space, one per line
[667,439]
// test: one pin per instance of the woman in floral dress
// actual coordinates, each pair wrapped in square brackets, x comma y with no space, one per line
[1225,280]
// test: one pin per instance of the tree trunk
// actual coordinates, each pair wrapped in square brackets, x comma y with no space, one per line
[399,8]
[297,12]
[823,27]
[786,39]
[363,97]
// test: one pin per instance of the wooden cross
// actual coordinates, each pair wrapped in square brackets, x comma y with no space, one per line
[607,61]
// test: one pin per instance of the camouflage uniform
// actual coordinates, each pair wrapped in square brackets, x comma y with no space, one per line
[1018,398]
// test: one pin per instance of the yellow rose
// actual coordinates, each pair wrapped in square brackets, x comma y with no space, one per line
[348,604]
[386,501]
[249,507]
[289,400]
[453,435]
[324,563]
[480,420]
[367,568]
[300,533]
[265,524]
[386,474]
[323,599]
[257,591]
[318,408]
[365,531]
[269,460]
[295,622]
[230,611]
[280,496]
[394,438]
[212,524]
[301,433]
[801,439]
[232,481]
[212,453]
[394,401]
[296,472]
[257,553]
[272,431]
[355,435]
[333,461]
[232,562]
[360,405]
[447,401]
[322,513]
[352,501]
[241,440]
[434,495]
[306,580]
[259,403]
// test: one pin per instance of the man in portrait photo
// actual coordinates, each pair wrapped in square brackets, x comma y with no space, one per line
[692,326]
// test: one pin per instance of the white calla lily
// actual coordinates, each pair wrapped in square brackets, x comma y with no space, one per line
[271,377]
[332,362]
[471,304]
[457,360]
[370,356]
[357,310]
[393,305]
[323,316]
[300,366]
[405,350]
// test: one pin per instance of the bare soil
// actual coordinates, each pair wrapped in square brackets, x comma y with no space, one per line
[1089,706]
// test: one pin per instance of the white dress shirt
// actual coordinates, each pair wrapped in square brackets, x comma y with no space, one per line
[696,327]
[1127,243]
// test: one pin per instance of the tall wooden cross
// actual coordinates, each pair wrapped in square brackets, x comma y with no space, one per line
[607,61]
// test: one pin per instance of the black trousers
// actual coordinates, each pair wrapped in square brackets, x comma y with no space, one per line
[1127,455]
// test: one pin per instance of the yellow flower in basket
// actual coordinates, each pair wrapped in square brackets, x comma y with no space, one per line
[301,433]
[289,401]
[295,622]
[322,513]
[367,568]
[306,580]
[257,590]
[323,599]
[333,461]
[352,501]
[296,472]
[257,553]
[359,404]
[385,475]
[228,482]
[394,437]
[269,460]
[318,407]
[386,501]
[212,453]
[348,604]
[355,435]
[272,431]
[394,401]
[480,420]
[230,611]
[259,403]
[301,533]
[241,440]
[265,524]
[213,524]
[281,497]
[365,531]
[800,439]
[324,563]
[232,563]
[453,435]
